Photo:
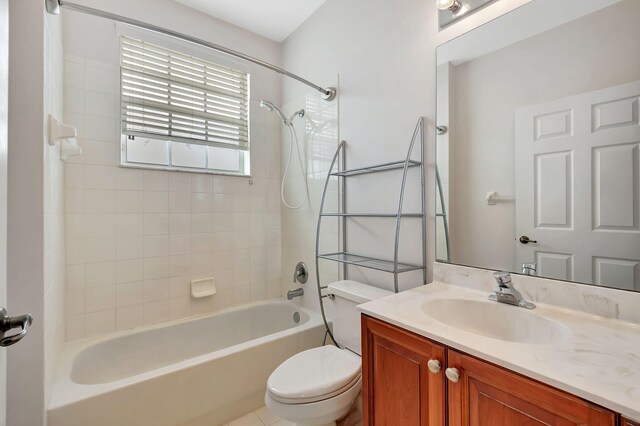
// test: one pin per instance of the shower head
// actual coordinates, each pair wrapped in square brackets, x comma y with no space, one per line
[269,106]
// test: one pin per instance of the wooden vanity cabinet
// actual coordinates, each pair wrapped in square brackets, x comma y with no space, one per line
[399,388]
[487,394]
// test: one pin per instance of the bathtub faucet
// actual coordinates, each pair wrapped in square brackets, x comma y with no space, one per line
[301,273]
[295,293]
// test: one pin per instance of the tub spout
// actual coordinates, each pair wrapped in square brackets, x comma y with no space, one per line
[295,293]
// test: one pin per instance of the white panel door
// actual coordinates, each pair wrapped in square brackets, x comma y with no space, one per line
[4,95]
[578,187]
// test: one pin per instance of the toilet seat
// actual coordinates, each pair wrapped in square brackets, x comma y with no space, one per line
[314,375]
[316,398]
[324,412]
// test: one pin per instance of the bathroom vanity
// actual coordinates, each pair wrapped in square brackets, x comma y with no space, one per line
[405,377]
[446,354]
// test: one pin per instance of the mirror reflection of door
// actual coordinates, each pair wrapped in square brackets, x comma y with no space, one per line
[577,162]
[542,111]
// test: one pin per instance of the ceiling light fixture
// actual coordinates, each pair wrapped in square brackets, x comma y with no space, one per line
[450,5]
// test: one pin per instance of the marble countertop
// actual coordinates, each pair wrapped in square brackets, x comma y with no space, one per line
[598,361]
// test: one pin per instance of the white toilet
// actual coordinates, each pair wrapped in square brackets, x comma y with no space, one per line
[319,386]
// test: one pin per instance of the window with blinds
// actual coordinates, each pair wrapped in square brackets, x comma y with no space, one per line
[179,111]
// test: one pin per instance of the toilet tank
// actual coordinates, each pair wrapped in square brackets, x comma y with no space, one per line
[346,318]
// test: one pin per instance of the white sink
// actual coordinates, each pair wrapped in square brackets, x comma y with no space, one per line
[497,320]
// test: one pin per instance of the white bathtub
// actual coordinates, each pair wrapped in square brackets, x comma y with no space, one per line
[206,370]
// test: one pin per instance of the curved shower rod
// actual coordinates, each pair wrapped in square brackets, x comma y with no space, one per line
[53,7]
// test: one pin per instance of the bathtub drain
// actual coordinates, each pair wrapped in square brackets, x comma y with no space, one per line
[296,317]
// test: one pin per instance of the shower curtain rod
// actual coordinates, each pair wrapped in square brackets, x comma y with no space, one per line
[53,7]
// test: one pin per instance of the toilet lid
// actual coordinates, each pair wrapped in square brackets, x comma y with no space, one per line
[314,373]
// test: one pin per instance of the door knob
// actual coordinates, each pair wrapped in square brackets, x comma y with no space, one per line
[526,240]
[9,323]
[452,374]
[434,366]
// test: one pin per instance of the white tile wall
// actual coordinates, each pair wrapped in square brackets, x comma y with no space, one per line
[136,238]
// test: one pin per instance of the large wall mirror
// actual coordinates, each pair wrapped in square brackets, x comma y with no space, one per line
[539,164]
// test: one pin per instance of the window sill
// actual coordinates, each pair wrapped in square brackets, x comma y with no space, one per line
[183,170]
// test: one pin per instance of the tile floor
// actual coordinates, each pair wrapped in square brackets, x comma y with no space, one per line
[264,417]
[260,417]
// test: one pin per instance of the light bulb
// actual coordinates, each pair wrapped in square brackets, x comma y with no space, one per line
[451,5]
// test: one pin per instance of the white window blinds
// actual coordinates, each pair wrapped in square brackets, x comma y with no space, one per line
[173,96]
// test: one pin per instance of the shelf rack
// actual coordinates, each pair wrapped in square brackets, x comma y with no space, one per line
[346,258]
[378,168]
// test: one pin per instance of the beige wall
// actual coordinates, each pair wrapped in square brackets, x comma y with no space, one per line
[384,56]
[590,53]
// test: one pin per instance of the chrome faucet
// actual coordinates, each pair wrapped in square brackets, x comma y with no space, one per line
[505,292]
[529,269]
[294,293]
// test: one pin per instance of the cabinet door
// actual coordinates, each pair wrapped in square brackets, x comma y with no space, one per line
[398,387]
[489,395]
[626,422]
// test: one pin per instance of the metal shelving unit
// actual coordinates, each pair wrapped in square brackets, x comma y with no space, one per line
[345,257]
[370,262]
[379,168]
